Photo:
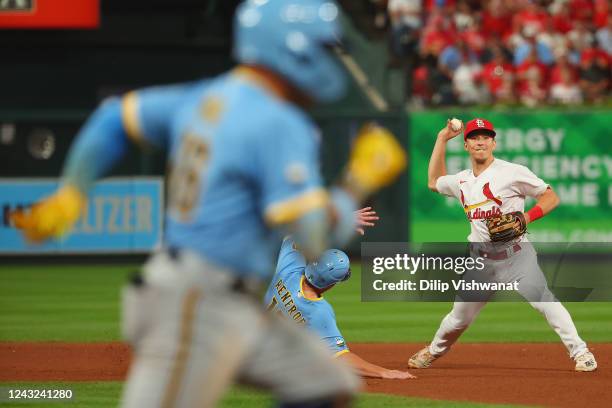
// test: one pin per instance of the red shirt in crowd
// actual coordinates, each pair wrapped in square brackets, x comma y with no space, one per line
[535,18]
[493,75]
[496,26]
[523,70]
[555,74]
[436,40]
[600,18]
[474,39]
[562,23]
[590,54]
[581,10]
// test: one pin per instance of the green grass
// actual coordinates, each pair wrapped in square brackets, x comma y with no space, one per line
[81,303]
[458,230]
[63,303]
[106,394]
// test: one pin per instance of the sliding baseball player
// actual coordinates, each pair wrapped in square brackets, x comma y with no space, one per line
[296,292]
[493,193]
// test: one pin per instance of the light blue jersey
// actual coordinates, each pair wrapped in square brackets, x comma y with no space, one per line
[285,295]
[242,162]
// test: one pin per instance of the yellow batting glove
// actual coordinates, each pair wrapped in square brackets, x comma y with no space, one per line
[377,159]
[52,217]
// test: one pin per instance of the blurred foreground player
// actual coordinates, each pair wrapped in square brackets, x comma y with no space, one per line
[296,292]
[244,170]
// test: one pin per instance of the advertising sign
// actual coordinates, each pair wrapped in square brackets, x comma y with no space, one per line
[123,215]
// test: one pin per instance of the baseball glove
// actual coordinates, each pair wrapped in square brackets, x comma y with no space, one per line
[506,227]
[52,217]
[377,159]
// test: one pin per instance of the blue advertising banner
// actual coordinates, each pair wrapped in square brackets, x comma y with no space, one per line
[124,215]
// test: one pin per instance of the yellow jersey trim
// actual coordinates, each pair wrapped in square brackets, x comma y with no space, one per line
[129,116]
[469,208]
[284,212]
[341,352]
[316,299]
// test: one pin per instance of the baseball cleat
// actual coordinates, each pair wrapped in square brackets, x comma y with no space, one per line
[586,362]
[421,359]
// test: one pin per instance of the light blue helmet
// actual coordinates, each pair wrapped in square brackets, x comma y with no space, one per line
[292,38]
[332,267]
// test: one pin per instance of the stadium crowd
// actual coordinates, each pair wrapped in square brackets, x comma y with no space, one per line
[503,51]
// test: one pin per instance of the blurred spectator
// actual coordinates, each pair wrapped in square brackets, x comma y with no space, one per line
[581,10]
[543,53]
[562,63]
[496,20]
[421,93]
[466,83]
[532,17]
[463,16]
[595,77]
[380,11]
[441,79]
[532,80]
[561,19]
[453,55]
[554,40]
[533,51]
[405,18]
[441,18]
[600,16]
[433,4]
[566,92]
[604,36]
[580,37]
[498,75]
[590,54]
[474,37]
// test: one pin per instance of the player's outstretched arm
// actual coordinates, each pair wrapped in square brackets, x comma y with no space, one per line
[376,160]
[365,217]
[546,202]
[99,145]
[369,370]
[437,162]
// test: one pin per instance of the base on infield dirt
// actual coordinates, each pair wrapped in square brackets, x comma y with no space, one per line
[519,373]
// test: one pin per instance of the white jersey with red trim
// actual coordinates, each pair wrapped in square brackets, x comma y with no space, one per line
[500,189]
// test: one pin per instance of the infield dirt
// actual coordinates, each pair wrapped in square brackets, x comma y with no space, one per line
[517,373]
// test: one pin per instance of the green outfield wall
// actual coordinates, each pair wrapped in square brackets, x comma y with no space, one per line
[571,151]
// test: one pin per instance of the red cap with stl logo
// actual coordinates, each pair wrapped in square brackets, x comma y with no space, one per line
[478,126]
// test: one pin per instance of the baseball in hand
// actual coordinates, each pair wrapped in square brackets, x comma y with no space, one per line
[456,124]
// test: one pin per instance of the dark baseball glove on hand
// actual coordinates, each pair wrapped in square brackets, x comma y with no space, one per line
[506,227]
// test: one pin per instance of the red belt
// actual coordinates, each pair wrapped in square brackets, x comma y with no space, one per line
[499,256]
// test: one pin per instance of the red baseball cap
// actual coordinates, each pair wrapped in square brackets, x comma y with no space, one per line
[478,125]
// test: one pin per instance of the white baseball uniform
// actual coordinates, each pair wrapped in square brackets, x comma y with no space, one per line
[500,189]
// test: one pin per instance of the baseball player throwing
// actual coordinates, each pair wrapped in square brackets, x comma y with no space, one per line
[296,291]
[244,172]
[492,193]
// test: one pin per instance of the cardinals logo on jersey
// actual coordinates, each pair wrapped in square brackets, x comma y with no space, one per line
[478,213]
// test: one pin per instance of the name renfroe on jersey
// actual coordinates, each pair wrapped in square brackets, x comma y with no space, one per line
[287,302]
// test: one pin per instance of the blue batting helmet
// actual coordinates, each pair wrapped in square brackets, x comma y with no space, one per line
[292,38]
[332,267]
